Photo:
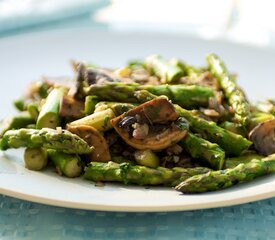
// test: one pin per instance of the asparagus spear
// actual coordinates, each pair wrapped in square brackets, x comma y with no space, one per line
[203,150]
[68,165]
[98,120]
[35,158]
[47,138]
[232,143]
[141,175]
[144,96]
[235,96]
[33,110]
[49,115]
[245,158]
[234,127]
[15,122]
[193,72]
[113,91]
[178,63]
[104,112]
[20,104]
[188,96]
[90,103]
[165,70]
[146,158]
[217,180]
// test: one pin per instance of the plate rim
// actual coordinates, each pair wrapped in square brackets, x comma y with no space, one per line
[138,208]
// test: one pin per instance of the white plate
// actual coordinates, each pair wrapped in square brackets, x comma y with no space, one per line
[24,58]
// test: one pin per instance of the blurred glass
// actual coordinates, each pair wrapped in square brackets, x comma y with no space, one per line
[31,15]
[247,21]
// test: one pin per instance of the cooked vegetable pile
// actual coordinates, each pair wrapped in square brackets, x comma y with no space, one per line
[151,122]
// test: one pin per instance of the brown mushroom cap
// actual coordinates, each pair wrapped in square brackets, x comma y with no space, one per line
[93,138]
[263,137]
[158,110]
[159,114]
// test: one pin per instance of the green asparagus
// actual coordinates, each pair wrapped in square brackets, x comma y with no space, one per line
[103,113]
[244,158]
[49,115]
[141,175]
[146,158]
[187,96]
[193,72]
[144,96]
[221,179]
[90,103]
[234,127]
[203,150]
[33,110]
[235,96]
[167,71]
[35,158]
[178,63]
[66,164]
[20,104]
[15,122]
[98,120]
[232,143]
[47,138]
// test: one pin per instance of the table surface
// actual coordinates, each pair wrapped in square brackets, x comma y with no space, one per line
[26,220]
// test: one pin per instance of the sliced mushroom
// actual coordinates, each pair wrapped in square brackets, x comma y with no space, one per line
[70,107]
[93,138]
[158,110]
[153,125]
[263,137]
